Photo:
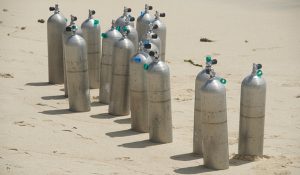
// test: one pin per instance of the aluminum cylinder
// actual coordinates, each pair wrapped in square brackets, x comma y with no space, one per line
[252,113]
[143,21]
[132,35]
[151,37]
[56,24]
[66,35]
[109,39]
[119,90]
[201,79]
[138,91]
[121,21]
[161,31]
[159,102]
[77,73]
[91,33]
[214,124]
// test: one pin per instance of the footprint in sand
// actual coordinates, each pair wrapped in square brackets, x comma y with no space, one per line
[6,75]
[273,165]
[124,158]
[23,123]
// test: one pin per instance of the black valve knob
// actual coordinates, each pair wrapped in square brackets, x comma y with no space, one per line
[154,36]
[68,29]
[155,26]
[214,61]
[74,18]
[132,19]
[147,46]
[162,15]
[150,7]
[51,8]
[258,66]
[151,53]
[93,12]
[129,10]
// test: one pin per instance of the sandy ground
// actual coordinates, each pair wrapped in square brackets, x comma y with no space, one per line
[38,135]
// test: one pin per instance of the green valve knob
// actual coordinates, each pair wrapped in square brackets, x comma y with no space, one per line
[125,29]
[74,27]
[259,73]
[66,19]
[96,22]
[104,35]
[146,66]
[223,81]
[208,59]
[118,28]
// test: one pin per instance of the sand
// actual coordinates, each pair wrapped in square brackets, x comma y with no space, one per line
[38,135]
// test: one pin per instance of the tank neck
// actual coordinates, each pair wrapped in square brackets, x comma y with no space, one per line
[91,13]
[157,15]
[256,70]
[56,11]
[113,25]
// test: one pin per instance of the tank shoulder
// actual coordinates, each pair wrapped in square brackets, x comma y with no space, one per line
[251,80]
[124,42]
[159,23]
[202,75]
[158,67]
[87,23]
[57,18]
[146,17]
[76,40]
[213,86]
[113,34]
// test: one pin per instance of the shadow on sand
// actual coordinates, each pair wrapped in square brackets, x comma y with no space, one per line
[54,97]
[193,170]
[96,103]
[57,112]
[186,157]
[139,144]
[102,116]
[38,84]
[122,133]
[123,121]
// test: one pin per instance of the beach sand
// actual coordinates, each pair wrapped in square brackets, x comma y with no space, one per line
[39,135]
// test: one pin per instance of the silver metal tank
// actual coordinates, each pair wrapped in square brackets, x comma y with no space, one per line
[152,37]
[77,73]
[109,39]
[252,113]
[161,31]
[91,33]
[132,35]
[159,100]
[56,24]
[143,21]
[119,89]
[138,89]
[120,22]
[214,123]
[201,78]
[66,34]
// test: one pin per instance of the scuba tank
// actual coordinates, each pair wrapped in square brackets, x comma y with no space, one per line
[152,37]
[213,108]
[77,73]
[120,22]
[91,33]
[119,89]
[161,31]
[143,21]
[252,113]
[159,100]
[138,89]
[66,34]
[109,39]
[201,78]
[56,24]
[133,35]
